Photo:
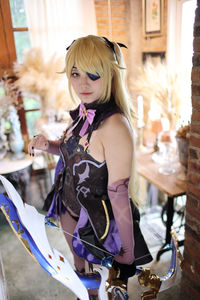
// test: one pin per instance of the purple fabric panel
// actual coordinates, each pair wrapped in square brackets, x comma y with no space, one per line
[59,167]
[52,212]
[112,243]
[78,247]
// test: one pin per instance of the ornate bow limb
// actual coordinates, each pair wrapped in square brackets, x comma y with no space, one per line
[156,283]
[102,293]
[110,287]
[168,280]
[22,217]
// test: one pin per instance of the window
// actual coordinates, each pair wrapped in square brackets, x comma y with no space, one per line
[19,27]
[32,112]
[181,14]
[186,50]
[14,37]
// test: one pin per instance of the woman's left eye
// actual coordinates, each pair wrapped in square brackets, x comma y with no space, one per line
[93,76]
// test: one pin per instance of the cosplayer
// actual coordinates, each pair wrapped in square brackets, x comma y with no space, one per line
[94,191]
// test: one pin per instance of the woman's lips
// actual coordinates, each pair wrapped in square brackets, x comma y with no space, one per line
[86,94]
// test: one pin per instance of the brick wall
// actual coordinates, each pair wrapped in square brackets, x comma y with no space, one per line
[190,285]
[112,21]
[118,19]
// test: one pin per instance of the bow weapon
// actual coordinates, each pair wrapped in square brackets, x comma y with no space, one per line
[21,218]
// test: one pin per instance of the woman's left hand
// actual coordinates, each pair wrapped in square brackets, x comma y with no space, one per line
[39,142]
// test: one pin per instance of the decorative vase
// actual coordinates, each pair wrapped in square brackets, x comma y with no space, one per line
[167,152]
[166,155]
[16,141]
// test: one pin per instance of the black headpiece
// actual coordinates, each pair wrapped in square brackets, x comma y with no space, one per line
[111,45]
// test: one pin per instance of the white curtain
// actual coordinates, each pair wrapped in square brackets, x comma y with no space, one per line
[181,14]
[54,24]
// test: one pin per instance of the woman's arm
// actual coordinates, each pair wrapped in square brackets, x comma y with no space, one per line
[40,142]
[118,147]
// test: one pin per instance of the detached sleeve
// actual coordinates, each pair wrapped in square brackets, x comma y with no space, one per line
[119,198]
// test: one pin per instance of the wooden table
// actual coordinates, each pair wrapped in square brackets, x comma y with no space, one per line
[168,184]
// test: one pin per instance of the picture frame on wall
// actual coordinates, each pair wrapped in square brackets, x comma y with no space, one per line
[152,17]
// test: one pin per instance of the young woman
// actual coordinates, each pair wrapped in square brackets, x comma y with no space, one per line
[94,192]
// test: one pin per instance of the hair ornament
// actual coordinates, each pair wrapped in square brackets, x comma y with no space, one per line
[70,45]
[111,45]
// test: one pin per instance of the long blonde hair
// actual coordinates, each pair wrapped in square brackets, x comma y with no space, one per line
[94,55]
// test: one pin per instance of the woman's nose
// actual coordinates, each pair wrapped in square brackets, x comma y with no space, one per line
[84,80]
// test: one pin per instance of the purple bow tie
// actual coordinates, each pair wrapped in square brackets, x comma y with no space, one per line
[84,114]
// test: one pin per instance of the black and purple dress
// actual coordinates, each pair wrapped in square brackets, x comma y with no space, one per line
[80,189]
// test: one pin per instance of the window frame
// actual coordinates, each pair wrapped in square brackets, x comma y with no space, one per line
[8,56]
[8,53]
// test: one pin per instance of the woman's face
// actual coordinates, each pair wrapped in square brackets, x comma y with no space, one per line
[88,87]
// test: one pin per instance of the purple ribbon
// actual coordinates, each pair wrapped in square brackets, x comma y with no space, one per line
[84,114]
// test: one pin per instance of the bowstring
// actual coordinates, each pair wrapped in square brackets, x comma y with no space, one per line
[78,238]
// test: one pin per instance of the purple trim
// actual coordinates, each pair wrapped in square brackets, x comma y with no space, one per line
[87,161]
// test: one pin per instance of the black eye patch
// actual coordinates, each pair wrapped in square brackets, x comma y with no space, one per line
[93,76]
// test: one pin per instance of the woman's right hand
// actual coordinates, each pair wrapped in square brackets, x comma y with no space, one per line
[39,142]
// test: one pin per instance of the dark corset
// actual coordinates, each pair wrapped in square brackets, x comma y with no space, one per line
[83,182]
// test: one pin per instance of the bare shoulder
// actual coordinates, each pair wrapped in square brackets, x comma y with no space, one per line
[117,141]
[118,126]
